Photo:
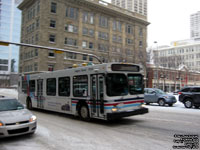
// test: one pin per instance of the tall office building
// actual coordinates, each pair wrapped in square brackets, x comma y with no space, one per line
[10,22]
[195,26]
[138,6]
[111,33]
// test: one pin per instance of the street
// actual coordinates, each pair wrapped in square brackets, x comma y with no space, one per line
[154,130]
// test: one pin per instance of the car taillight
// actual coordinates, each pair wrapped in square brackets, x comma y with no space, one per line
[179,93]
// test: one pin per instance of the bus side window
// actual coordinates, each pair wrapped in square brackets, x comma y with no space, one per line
[51,87]
[80,86]
[64,86]
[32,85]
[24,86]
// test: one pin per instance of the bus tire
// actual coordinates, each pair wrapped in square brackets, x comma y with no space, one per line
[29,104]
[84,113]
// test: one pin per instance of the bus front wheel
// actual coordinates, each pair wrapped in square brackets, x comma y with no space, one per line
[84,113]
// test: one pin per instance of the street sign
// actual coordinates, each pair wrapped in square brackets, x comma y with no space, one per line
[4,43]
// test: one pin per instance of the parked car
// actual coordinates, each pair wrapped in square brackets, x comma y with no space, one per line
[15,119]
[176,92]
[190,96]
[153,95]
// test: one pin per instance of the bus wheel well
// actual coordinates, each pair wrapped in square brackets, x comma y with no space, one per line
[28,103]
[83,111]
[80,103]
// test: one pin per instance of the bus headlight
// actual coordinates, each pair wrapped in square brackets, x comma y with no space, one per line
[114,109]
[1,124]
[33,118]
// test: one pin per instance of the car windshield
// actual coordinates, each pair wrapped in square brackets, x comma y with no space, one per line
[10,104]
[159,91]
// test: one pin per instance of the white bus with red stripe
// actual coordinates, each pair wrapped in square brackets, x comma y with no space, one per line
[105,91]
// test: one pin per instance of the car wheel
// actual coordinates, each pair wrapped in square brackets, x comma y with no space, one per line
[161,102]
[188,103]
[170,105]
[84,113]
[147,103]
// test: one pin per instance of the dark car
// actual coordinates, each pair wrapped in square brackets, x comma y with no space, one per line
[153,95]
[190,96]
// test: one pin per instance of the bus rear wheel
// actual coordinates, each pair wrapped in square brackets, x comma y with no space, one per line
[84,113]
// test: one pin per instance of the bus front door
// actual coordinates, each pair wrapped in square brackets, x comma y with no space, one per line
[40,98]
[97,96]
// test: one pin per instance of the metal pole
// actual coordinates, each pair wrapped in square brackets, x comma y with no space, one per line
[6,43]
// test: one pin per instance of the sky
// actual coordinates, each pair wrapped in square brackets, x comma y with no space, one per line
[169,20]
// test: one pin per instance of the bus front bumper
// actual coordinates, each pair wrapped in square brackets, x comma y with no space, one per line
[116,115]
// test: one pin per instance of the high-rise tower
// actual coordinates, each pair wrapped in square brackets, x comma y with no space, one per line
[138,6]
[195,25]
[10,22]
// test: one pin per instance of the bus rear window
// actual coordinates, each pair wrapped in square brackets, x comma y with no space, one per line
[125,67]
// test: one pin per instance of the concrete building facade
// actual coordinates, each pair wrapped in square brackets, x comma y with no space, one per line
[138,6]
[112,33]
[180,53]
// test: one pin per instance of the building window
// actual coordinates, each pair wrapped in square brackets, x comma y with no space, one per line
[140,44]
[88,32]
[72,13]
[84,44]
[117,26]
[90,58]
[50,67]
[52,23]
[53,7]
[71,28]
[129,29]
[88,17]
[52,38]
[36,37]
[36,66]
[91,45]
[36,52]
[103,21]
[51,86]
[103,47]
[70,41]
[70,55]
[51,53]
[103,35]
[140,31]
[64,86]
[117,39]
[37,23]
[84,57]
[129,41]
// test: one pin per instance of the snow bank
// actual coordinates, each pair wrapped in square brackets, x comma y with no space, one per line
[9,92]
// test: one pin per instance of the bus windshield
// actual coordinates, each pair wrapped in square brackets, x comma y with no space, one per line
[121,85]
[117,84]
[135,83]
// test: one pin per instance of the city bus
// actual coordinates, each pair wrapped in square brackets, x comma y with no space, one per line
[104,91]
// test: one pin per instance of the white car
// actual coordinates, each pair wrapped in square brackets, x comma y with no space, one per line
[15,119]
